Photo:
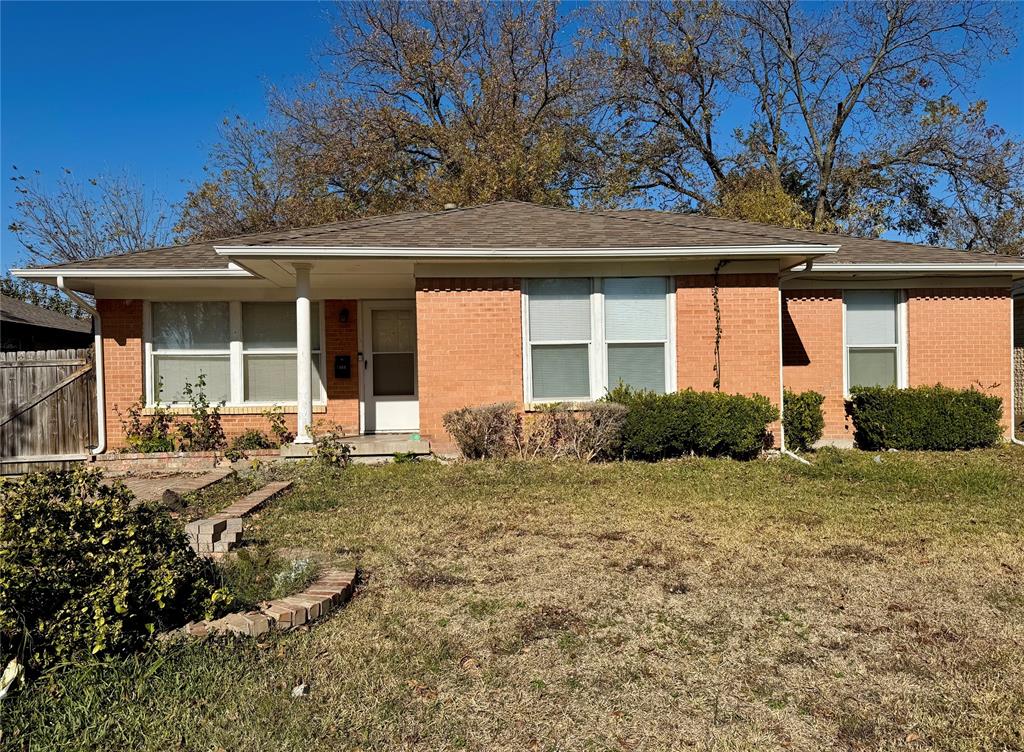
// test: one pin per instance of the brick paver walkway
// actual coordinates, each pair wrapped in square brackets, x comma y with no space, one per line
[153,488]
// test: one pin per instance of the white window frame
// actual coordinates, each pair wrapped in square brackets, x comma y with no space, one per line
[900,347]
[236,352]
[597,344]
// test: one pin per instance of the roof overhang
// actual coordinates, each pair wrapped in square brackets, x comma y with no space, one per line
[84,280]
[305,253]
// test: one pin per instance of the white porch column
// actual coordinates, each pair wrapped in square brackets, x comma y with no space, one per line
[304,355]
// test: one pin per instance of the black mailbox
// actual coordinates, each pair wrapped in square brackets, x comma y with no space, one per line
[342,366]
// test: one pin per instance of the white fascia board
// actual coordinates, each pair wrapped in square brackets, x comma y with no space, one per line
[522,253]
[921,267]
[233,270]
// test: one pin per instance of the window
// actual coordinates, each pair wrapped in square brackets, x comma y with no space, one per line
[190,339]
[585,336]
[246,351]
[268,352]
[560,333]
[873,348]
[636,332]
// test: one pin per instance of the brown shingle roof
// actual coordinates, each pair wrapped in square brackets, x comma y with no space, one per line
[17,311]
[518,225]
[851,250]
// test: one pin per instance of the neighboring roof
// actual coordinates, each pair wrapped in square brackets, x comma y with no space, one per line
[513,225]
[16,311]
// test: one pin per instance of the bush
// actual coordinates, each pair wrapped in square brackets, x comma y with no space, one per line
[204,433]
[485,432]
[584,433]
[329,445]
[278,429]
[659,426]
[580,432]
[85,570]
[252,439]
[150,433]
[803,419]
[930,418]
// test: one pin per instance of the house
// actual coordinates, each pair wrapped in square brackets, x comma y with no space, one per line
[24,326]
[384,324]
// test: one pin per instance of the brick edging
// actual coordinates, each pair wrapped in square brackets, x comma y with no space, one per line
[332,590]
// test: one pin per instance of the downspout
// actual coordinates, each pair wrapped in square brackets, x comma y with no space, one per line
[97,330]
[782,386]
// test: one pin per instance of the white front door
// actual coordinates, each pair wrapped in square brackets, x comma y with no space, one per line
[390,399]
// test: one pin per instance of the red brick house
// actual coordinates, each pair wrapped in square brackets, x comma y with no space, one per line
[385,324]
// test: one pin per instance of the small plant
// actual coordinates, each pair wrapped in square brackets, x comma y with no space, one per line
[204,433]
[87,570]
[329,446]
[259,574]
[403,458]
[278,428]
[252,439]
[146,433]
[803,419]
[925,418]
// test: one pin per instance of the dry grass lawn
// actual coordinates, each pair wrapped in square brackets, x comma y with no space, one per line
[701,604]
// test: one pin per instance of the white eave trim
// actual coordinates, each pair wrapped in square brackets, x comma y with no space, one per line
[826,267]
[233,270]
[246,251]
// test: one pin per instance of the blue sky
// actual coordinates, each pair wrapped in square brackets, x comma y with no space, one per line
[143,87]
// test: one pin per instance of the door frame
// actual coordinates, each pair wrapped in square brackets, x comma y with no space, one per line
[363,340]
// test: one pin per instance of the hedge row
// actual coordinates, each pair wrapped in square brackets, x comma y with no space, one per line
[713,424]
[925,418]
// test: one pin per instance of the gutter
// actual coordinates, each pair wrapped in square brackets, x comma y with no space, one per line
[97,329]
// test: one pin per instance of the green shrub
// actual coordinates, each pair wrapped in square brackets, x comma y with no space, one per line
[927,417]
[659,426]
[204,433]
[803,419]
[329,445]
[146,433]
[252,439]
[278,428]
[83,569]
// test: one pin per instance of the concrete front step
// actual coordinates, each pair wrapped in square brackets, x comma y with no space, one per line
[368,448]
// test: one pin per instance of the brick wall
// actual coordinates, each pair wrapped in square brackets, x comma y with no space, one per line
[749,347]
[812,353]
[470,350]
[122,361]
[342,339]
[1018,359]
[960,337]
[123,353]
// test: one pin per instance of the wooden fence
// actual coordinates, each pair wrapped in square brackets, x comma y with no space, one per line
[48,410]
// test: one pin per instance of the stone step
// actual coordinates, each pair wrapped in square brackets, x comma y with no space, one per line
[332,590]
[251,502]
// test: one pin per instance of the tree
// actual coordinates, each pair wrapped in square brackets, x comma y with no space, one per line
[419,105]
[844,106]
[82,220]
[40,295]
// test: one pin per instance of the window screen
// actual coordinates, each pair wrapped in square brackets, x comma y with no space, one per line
[872,337]
[559,325]
[636,332]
